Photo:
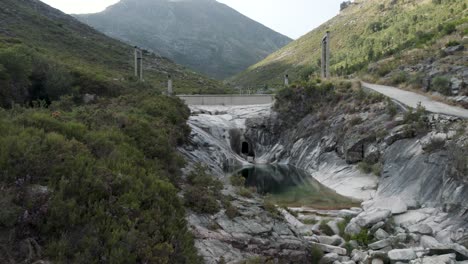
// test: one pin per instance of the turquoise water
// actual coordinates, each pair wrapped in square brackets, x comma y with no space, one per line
[290,186]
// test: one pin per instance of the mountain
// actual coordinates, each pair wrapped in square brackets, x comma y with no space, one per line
[204,35]
[35,27]
[368,37]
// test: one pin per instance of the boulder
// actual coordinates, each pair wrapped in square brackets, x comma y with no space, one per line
[359,256]
[380,244]
[376,227]
[453,49]
[329,258]
[396,205]
[348,213]
[354,148]
[372,154]
[381,234]
[330,249]
[369,218]
[402,255]
[460,251]
[443,259]
[377,261]
[423,229]
[444,237]
[333,240]
[429,242]
[398,133]
[352,228]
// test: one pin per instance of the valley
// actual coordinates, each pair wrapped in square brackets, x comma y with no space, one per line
[261,160]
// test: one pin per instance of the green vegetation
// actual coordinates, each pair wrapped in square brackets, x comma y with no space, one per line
[363,238]
[203,191]
[245,192]
[103,177]
[60,56]
[416,120]
[367,167]
[442,85]
[390,33]
[237,180]
[325,228]
[316,254]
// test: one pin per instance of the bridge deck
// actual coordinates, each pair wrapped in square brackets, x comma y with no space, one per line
[227,99]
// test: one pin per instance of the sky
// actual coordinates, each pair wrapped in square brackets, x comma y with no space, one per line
[292,18]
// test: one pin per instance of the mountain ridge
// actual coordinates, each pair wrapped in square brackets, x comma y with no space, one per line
[204,35]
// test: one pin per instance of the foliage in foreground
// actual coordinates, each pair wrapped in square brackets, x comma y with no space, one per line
[96,183]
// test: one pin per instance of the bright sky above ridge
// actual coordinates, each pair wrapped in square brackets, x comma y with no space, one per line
[292,18]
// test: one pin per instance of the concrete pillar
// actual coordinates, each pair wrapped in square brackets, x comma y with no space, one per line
[286,80]
[326,56]
[169,85]
[138,63]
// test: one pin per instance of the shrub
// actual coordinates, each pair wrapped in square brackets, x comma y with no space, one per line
[399,77]
[391,108]
[434,144]
[355,121]
[203,191]
[245,192]
[452,43]
[365,167]
[316,254]
[363,238]
[442,85]
[325,228]
[237,180]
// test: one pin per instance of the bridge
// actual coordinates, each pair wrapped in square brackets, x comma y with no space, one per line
[228,99]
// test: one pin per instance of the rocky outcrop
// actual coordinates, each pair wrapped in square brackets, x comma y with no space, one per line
[415,211]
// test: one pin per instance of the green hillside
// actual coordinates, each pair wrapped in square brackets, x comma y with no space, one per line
[32,33]
[365,32]
[87,179]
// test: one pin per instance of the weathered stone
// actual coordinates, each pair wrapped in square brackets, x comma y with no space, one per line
[377,261]
[402,255]
[329,258]
[398,133]
[380,244]
[352,228]
[396,205]
[369,218]
[453,49]
[372,154]
[444,237]
[381,234]
[348,213]
[376,227]
[423,229]
[333,240]
[355,147]
[330,249]
[460,251]
[359,256]
[429,242]
[443,259]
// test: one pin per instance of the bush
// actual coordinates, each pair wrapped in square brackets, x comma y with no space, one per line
[452,43]
[237,180]
[399,77]
[316,254]
[203,191]
[363,238]
[245,192]
[325,228]
[442,85]
[115,204]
